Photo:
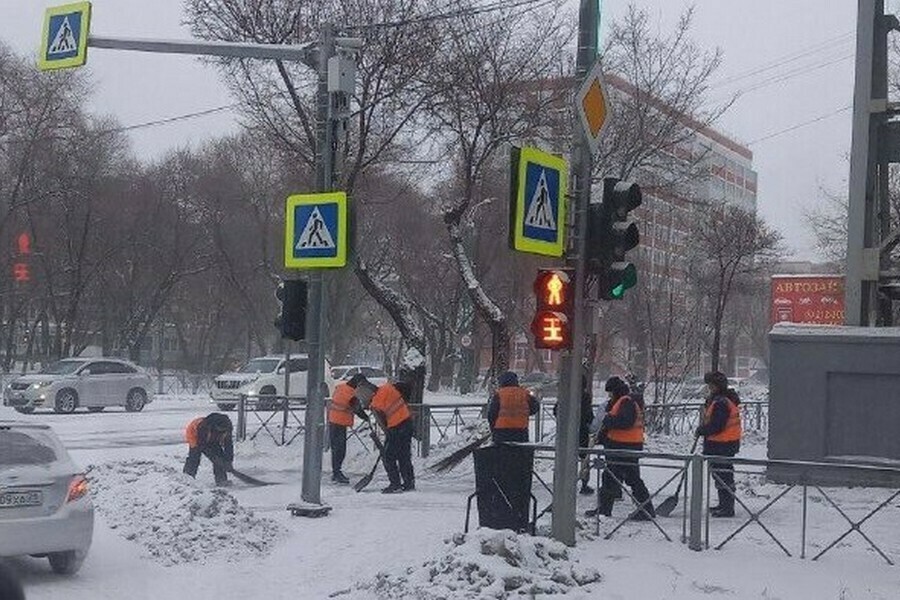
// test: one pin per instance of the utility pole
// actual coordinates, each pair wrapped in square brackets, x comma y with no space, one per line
[871,283]
[569,407]
[313,440]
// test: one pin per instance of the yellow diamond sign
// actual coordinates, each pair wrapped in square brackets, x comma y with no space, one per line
[593,106]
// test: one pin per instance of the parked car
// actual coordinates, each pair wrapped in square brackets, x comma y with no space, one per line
[264,376]
[45,507]
[346,372]
[92,383]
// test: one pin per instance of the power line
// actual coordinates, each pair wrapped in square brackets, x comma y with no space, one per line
[462,12]
[800,125]
[168,120]
[784,60]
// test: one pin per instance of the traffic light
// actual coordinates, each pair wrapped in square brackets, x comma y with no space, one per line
[554,294]
[291,319]
[611,235]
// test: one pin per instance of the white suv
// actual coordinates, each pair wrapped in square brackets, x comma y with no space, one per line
[262,377]
[93,383]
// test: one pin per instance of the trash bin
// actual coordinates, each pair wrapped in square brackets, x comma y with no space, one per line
[503,486]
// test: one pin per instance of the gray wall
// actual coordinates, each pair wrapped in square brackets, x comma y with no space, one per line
[834,393]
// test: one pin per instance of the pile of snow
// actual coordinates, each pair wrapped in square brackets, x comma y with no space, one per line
[174,518]
[487,564]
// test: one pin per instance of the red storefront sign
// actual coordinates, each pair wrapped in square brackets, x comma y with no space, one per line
[817,299]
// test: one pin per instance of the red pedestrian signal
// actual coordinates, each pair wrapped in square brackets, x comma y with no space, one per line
[21,273]
[552,323]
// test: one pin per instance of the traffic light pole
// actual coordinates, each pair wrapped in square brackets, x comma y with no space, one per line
[569,406]
[314,438]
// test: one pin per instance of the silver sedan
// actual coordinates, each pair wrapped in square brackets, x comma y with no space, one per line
[45,507]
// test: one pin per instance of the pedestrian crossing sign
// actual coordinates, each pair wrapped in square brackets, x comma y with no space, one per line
[537,202]
[65,36]
[316,231]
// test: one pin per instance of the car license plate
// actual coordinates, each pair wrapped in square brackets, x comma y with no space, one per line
[17,499]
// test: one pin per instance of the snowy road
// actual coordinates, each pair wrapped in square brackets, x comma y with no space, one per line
[159,534]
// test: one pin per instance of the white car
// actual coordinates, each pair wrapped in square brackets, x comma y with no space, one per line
[45,508]
[346,372]
[92,383]
[264,376]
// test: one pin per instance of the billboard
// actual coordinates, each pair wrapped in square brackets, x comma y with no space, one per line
[817,299]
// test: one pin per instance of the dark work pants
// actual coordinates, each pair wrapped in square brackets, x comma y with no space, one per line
[724,471]
[627,470]
[398,454]
[215,455]
[338,436]
[498,436]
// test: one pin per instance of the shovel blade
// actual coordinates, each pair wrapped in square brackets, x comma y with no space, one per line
[363,483]
[667,506]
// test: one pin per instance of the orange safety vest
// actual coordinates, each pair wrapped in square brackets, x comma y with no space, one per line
[732,431]
[513,408]
[389,402]
[635,433]
[192,433]
[339,412]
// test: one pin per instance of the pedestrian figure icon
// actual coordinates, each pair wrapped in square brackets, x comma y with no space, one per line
[315,234]
[540,211]
[64,42]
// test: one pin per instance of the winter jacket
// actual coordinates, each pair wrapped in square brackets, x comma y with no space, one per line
[494,408]
[625,418]
[717,423]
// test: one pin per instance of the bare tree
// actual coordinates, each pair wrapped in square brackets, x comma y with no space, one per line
[732,245]
[481,104]
[398,49]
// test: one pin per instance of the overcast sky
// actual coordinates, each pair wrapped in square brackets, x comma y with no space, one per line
[792,59]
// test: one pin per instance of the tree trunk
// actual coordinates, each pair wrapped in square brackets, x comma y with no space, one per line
[486,308]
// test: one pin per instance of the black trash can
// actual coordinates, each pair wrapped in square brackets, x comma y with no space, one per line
[503,486]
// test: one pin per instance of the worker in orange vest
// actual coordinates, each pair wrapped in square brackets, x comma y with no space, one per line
[622,429]
[721,431]
[509,409]
[344,405]
[210,436]
[392,413]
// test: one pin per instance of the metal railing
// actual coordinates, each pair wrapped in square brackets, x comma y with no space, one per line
[804,474]
[263,412]
[668,419]
[694,500]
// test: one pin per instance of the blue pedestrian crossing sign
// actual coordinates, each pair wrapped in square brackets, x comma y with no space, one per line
[65,36]
[315,234]
[537,202]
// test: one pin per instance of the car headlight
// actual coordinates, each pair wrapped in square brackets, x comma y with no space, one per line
[40,384]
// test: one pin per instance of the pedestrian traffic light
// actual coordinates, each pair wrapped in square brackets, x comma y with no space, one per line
[291,318]
[554,295]
[610,236]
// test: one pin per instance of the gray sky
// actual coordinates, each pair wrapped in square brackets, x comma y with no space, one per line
[754,34]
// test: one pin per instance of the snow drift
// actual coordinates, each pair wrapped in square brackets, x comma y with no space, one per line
[486,564]
[175,519]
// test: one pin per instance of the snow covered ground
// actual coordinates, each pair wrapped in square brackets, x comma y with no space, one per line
[162,535]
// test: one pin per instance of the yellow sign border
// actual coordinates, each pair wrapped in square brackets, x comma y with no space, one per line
[328,262]
[79,59]
[522,243]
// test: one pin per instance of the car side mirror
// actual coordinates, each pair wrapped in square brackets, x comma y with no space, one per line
[280,370]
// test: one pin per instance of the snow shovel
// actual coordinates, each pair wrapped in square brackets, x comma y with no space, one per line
[244,477]
[367,479]
[668,505]
[247,479]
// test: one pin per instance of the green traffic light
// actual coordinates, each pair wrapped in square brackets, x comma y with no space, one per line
[627,280]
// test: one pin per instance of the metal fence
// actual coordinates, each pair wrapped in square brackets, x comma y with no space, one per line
[279,417]
[697,475]
[667,419]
